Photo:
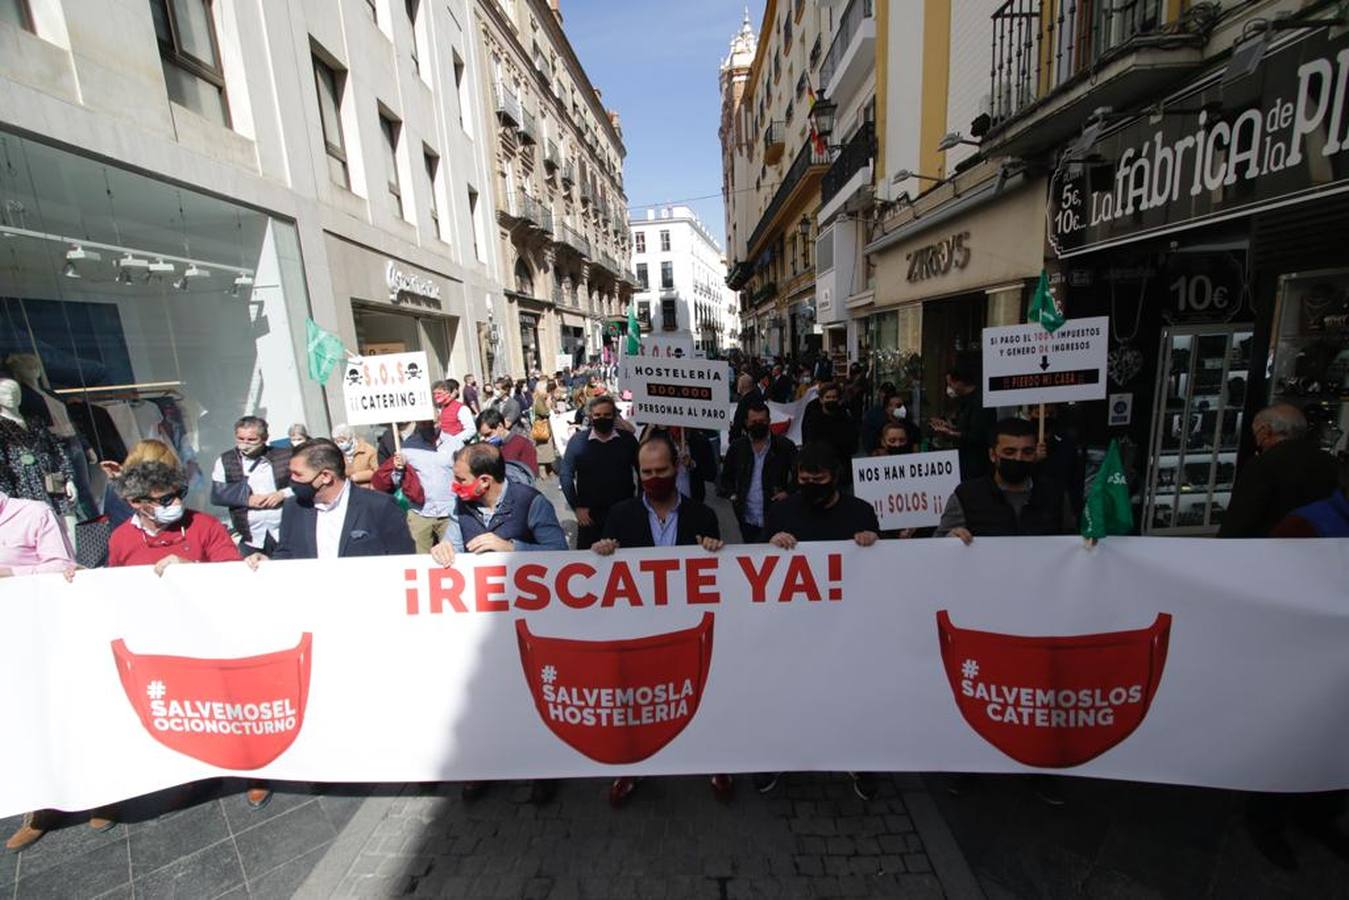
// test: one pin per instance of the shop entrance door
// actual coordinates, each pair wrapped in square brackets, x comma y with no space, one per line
[1201,392]
[379,332]
[529,341]
[952,333]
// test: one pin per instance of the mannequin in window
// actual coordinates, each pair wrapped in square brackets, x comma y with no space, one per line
[32,465]
[41,406]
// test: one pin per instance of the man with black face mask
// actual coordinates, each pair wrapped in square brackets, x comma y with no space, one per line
[760,469]
[818,511]
[828,421]
[597,470]
[1015,499]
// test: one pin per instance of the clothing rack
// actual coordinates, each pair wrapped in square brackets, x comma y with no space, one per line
[141,391]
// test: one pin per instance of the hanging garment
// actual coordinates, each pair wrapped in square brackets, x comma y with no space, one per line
[27,457]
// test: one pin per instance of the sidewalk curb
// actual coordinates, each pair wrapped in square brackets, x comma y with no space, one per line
[326,877]
[948,862]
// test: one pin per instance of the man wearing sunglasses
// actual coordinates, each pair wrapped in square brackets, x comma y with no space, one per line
[164,532]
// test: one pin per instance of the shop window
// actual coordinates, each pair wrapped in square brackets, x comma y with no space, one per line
[433,188]
[642,276]
[640,238]
[664,241]
[330,84]
[667,276]
[16,12]
[390,129]
[190,55]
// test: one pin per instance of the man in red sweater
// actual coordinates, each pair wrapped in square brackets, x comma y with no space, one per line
[515,447]
[164,532]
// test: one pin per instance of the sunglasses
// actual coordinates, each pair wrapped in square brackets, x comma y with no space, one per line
[165,501]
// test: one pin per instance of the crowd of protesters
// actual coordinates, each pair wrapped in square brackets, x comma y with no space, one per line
[469,481]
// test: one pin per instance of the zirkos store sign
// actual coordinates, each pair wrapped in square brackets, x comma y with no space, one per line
[410,288]
[1279,135]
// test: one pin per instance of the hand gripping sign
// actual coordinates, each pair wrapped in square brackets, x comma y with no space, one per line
[617,702]
[232,713]
[1054,702]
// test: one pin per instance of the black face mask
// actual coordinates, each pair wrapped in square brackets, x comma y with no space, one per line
[899,451]
[829,406]
[305,492]
[1015,471]
[602,426]
[758,431]
[817,495]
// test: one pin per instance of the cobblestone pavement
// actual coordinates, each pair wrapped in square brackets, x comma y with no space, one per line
[811,837]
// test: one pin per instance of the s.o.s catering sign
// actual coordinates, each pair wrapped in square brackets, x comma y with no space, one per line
[1277,135]
[1009,655]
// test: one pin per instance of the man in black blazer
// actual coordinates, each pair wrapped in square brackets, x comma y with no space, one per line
[659,517]
[329,518]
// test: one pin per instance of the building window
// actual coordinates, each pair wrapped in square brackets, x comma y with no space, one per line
[16,12]
[330,84]
[473,221]
[390,128]
[669,314]
[374,14]
[642,276]
[413,7]
[190,55]
[641,242]
[667,276]
[462,90]
[664,241]
[432,182]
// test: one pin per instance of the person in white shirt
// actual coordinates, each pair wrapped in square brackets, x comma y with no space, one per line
[252,480]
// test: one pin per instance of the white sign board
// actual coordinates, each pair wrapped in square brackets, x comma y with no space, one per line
[1026,364]
[380,390]
[689,392]
[907,491]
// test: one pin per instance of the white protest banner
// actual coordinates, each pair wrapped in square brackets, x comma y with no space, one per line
[1026,364]
[907,491]
[689,392]
[394,387]
[1217,663]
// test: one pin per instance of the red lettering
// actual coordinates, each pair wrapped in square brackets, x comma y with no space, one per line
[564,577]
[443,592]
[484,587]
[698,575]
[529,581]
[799,580]
[660,569]
[758,580]
[621,585]
[410,594]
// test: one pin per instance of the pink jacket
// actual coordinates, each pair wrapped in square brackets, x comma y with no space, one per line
[32,540]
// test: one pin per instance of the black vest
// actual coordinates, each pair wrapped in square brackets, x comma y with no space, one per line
[988,514]
[230,461]
[510,520]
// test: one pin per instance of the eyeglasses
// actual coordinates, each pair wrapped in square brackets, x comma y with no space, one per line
[165,501]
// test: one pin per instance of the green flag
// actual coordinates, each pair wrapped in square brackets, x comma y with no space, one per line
[1044,309]
[634,330]
[1108,510]
[325,351]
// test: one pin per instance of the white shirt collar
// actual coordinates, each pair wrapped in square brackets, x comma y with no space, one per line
[340,501]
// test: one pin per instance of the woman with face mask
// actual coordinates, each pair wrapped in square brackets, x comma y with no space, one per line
[360,456]
[164,531]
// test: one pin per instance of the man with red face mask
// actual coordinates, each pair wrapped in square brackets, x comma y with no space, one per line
[660,517]
[454,417]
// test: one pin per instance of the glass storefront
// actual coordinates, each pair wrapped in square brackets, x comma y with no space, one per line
[132,308]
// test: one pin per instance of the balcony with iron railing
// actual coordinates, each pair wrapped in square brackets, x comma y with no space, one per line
[587,194]
[808,166]
[546,221]
[568,173]
[529,128]
[774,141]
[551,159]
[852,54]
[855,159]
[570,237]
[1052,63]
[525,208]
[507,103]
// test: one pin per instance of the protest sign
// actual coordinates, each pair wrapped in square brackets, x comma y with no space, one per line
[919,655]
[689,392]
[394,387]
[907,491]
[1027,364]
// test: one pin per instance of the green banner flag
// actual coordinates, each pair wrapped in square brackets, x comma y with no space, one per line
[1108,509]
[1044,309]
[634,330]
[325,351]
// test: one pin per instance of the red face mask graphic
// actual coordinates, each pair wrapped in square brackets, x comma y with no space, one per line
[617,702]
[231,713]
[1054,702]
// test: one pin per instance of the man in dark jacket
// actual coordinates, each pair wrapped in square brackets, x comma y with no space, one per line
[970,426]
[597,470]
[828,421]
[759,470]
[697,461]
[1015,500]
[659,517]
[748,392]
[1290,471]
[252,481]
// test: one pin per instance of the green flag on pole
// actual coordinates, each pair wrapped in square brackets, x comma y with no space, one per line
[1108,509]
[1044,309]
[634,330]
[325,351]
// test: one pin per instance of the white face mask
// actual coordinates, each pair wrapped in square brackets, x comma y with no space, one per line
[168,515]
[346,446]
[951,392]
[899,412]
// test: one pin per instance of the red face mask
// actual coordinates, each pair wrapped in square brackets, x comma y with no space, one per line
[1054,702]
[233,713]
[660,488]
[617,702]
[468,491]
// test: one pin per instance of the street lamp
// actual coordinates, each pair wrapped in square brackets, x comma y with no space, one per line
[822,113]
[804,228]
[953,139]
[905,174]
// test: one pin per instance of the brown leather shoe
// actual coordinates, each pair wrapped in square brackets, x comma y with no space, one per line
[102,823]
[26,834]
[258,798]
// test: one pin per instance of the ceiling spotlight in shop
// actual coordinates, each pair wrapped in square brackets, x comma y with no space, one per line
[70,271]
[243,282]
[161,268]
[77,254]
[130,263]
